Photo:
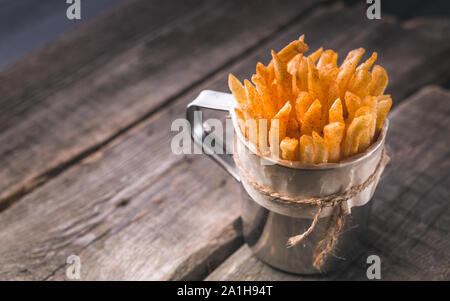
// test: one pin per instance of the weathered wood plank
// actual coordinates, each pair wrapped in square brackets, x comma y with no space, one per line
[116,210]
[76,94]
[410,226]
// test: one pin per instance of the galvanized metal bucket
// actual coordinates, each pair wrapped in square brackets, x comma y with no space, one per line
[267,225]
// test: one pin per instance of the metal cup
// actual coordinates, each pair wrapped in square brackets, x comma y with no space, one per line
[267,225]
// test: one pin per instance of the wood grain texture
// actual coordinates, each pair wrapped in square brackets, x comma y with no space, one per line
[241,68]
[134,210]
[410,225]
[64,101]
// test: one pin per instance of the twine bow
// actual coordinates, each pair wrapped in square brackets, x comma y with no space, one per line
[335,200]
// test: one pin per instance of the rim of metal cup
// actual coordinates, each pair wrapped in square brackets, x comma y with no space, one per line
[322,166]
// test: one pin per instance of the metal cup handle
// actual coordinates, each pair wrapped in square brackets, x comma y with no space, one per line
[212,100]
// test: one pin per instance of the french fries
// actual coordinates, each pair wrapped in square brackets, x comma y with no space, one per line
[308,108]
[312,118]
[320,149]
[334,133]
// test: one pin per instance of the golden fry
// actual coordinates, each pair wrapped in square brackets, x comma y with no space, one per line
[291,50]
[315,55]
[371,102]
[368,133]
[238,91]
[383,107]
[368,63]
[336,113]
[254,99]
[333,94]
[320,149]
[352,103]
[379,81]
[333,134]
[301,77]
[293,65]
[284,79]
[269,105]
[302,104]
[347,68]
[312,119]
[360,82]
[353,135]
[328,57]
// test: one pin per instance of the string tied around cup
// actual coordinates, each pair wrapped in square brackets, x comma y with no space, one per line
[336,200]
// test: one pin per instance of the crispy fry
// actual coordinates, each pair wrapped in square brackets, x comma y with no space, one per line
[368,63]
[364,110]
[320,149]
[354,55]
[301,77]
[371,102]
[254,99]
[327,77]
[290,149]
[263,72]
[315,55]
[336,113]
[333,134]
[302,104]
[328,57]
[347,68]
[333,94]
[314,85]
[352,103]
[269,105]
[291,50]
[238,91]
[312,119]
[293,65]
[367,135]
[353,135]
[284,79]
[306,149]
[328,74]
[360,82]
[383,107]
[379,81]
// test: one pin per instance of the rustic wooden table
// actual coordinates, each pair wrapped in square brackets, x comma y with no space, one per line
[86,164]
